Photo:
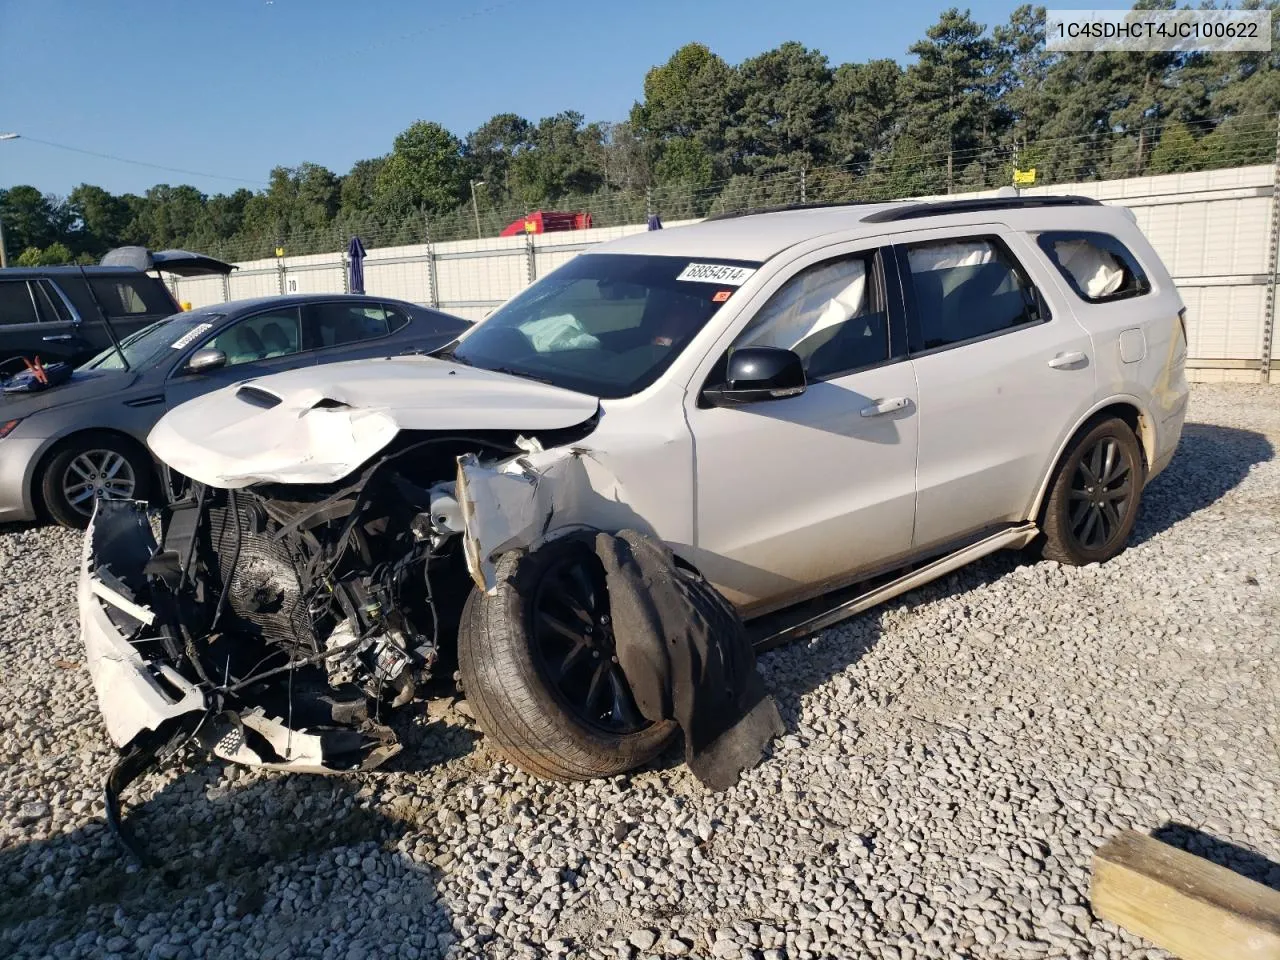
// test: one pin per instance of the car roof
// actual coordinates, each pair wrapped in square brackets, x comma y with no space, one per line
[297,300]
[758,236]
[30,273]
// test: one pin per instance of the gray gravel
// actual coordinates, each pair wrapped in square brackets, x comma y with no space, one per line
[952,761]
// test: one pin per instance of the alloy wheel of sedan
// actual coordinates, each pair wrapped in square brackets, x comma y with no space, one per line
[97,473]
[1101,494]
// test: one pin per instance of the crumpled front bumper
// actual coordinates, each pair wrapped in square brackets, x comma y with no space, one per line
[134,695]
[145,701]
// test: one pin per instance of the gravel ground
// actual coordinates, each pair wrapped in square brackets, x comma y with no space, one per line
[952,761]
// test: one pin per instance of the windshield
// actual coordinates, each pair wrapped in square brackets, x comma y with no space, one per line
[153,343]
[603,324]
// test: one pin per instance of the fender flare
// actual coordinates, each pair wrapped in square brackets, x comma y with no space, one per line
[1146,439]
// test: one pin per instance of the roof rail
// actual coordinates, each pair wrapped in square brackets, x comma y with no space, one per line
[783,208]
[913,211]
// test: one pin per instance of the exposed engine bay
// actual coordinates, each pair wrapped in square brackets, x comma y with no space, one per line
[279,624]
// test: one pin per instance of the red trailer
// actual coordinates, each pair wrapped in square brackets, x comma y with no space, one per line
[548,221]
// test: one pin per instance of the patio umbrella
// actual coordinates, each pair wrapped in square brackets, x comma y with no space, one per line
[355,253]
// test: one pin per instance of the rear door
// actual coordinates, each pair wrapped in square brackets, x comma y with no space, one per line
[353,330]
[1002,375]
[30,326]
[256,346]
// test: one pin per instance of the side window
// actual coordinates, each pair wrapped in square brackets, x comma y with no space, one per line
[967,289]
[831,314]
[128,296]
[16,305]
[1097,266]
[396,318]
[335,324]
[264,336]
[51,305]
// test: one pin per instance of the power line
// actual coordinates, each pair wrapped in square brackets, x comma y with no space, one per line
[142,163]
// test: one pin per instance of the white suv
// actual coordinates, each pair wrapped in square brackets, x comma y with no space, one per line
[795,402]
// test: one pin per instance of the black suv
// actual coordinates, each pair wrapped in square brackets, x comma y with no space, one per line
[56,313]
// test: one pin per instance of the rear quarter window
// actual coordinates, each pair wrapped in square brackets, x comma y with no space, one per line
[1097,266]
[131,296]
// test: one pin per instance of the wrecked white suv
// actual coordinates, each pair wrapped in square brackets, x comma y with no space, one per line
[837,402]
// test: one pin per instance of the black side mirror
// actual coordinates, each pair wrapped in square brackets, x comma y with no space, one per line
[753,374]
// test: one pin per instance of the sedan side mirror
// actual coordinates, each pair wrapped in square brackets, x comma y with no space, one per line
[206,359]
[753,374]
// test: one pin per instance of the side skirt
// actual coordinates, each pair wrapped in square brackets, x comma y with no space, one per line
[773,630]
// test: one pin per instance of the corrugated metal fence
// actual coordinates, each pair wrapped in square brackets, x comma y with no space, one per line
[1217,232]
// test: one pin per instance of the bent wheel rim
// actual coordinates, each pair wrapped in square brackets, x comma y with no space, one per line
[572,637]
[94,474]
[1101,495]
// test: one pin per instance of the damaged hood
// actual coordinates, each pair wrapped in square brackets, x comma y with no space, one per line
[317,424]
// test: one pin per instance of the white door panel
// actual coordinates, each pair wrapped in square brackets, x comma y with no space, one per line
[994,411]
[797,492]
[992,415]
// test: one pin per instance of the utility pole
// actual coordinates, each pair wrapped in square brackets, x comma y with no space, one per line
[4,255]
[475,207]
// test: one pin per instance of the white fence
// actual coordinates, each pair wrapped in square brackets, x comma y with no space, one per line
[1216,232]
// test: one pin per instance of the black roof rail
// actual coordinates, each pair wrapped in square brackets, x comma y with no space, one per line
[783,208]
[913,211]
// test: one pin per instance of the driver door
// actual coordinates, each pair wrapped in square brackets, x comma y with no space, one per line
[794,496]
[255,346]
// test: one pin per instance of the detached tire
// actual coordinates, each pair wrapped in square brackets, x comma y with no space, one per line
[1095,494]
[536,665]
[88,465]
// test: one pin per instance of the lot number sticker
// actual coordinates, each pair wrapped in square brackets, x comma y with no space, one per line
[721,273]
[191,335]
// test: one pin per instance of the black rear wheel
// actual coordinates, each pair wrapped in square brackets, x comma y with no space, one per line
[1093,502]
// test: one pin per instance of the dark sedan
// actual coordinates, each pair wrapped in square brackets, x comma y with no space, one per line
[66,445]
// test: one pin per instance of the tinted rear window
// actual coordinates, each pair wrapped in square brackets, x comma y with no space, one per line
[15,303]
[130,296]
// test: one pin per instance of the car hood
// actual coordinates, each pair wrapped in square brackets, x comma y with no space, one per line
[84,385]
[318,424]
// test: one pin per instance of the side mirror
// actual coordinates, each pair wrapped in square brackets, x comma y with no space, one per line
[202,361]
[753,374]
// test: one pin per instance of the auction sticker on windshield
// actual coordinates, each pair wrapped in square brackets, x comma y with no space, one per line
[193,334]
[722,273]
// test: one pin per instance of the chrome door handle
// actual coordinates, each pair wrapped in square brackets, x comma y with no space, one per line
[1067,359]
[61,336]
[881,407]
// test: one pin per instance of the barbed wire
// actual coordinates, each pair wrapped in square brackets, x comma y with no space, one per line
[897,173]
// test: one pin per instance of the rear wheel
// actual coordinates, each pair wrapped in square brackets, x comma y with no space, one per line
[92,466]
[1093,502]
[538,669]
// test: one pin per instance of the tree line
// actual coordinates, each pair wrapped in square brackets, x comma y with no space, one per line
[782,126]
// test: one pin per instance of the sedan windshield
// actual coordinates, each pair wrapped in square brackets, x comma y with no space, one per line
[603,324]
[152,344]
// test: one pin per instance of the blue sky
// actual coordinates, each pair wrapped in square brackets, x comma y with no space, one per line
[234,87]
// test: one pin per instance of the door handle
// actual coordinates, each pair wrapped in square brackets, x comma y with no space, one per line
[881,407]
[61,336]
[1067,359]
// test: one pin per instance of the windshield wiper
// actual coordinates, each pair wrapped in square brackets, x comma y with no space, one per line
[450,354]
[520,373]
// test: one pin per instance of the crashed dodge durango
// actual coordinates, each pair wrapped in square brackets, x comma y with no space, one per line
[777,418]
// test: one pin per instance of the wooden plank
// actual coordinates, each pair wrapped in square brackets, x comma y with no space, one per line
[1195,909]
